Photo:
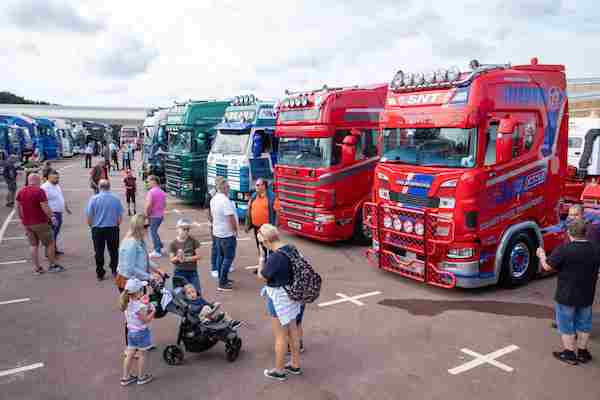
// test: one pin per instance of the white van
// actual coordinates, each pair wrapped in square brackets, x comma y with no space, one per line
[578,128]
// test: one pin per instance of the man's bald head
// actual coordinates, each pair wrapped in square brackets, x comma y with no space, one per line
[34,180]
[104,185]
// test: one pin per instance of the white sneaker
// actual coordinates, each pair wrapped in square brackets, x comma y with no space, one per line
[214,274]
[231,269]
[154,254]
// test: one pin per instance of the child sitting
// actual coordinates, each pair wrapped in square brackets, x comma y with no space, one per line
[205,311]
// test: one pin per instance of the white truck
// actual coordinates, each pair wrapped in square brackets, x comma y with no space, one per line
[65,135]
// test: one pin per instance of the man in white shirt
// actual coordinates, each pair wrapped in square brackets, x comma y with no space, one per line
[89,150]
[225,230]
[56,203]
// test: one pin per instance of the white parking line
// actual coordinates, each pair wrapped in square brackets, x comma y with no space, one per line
[5,224]
[252,267]
[352,299]
[13,262]
[481,359]
[239,240]
[14,301]
[21,369]
[15,238]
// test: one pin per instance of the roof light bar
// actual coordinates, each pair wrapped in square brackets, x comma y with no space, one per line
[301,100]
[244,100]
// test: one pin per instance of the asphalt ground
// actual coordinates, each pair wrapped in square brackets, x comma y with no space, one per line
[402,342]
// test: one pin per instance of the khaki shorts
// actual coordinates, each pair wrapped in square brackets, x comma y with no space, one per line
[40,233]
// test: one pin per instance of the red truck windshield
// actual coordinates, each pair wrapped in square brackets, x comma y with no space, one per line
[445,147]
[307,152]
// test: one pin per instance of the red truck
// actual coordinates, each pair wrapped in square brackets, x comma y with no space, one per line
[471,174]
[327,152]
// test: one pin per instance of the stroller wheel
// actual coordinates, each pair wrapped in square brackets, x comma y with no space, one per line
[173,355]
[232,349]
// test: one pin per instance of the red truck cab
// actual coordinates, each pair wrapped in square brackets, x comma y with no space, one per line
[471,173]
[327,152]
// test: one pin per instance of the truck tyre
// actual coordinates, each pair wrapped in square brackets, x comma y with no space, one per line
[519,263]
[362,234]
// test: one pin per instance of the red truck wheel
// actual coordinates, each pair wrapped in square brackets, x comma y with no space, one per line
[519,263]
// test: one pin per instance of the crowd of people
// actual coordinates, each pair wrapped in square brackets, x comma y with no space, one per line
[132,262]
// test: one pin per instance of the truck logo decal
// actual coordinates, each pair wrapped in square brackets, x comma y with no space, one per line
[513,212]
[507,191]
[416,184]
[423,98]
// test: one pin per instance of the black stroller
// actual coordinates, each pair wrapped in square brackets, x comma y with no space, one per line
[197,336]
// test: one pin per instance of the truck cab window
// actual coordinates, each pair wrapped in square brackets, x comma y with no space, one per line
[490,150]
[369,143]
[337,145]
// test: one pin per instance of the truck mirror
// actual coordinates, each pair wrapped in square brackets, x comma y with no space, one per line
[349,149]
[507,125]
[355,132]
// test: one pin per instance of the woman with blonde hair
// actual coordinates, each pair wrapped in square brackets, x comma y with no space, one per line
[134,261]
[276,272]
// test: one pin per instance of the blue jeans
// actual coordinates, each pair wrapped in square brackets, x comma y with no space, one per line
[154,225]
[214,255]
[191,277]
[571,320]
[225,255]
[58,217]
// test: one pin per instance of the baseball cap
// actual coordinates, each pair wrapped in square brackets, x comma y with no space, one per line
[134,285]
[184,222]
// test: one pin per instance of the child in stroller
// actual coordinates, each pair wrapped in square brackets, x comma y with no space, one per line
[202,325]
[205,311]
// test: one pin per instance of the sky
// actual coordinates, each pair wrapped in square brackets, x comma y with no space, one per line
[150,53]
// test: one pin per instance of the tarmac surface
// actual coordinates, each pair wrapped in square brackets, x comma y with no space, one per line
[386,337]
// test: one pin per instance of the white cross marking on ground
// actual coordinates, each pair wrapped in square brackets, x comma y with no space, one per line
[352,299]
[14,301]
[21,369]
[13,262]
[481,359]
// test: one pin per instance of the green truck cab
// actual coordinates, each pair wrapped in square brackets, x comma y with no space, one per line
[190,130]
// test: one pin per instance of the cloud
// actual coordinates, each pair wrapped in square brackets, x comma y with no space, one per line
[30,48]
[527,9]
[51,16]
[123,57]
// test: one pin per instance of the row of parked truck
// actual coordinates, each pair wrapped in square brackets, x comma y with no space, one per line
[455,178]
[23,135]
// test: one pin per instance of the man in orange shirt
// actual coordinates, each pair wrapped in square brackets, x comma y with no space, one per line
[260,211]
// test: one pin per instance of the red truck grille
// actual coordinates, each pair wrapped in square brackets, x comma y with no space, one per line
[406,251]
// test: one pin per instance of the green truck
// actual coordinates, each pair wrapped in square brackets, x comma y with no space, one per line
[190,129]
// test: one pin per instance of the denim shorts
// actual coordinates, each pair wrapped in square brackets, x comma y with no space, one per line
[573,319]
[300,315]
[139,340]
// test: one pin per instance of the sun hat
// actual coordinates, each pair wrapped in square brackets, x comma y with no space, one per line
[134,285]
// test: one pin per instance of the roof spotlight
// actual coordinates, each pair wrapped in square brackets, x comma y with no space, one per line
[430,77]
[252,99]
[398,80]
[453,73]
[297,101]
[409,80]
[304,101]
[419,78]
[441,75]
[474,64]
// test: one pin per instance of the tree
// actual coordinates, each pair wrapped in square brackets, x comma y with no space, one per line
[10,98]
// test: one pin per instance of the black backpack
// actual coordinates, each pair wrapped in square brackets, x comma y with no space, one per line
[306,283]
